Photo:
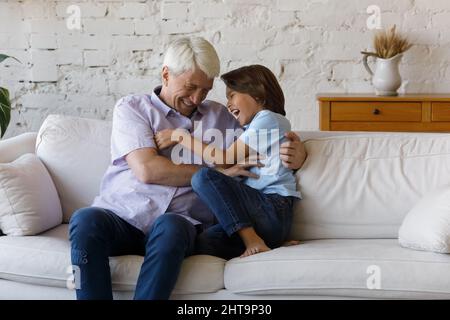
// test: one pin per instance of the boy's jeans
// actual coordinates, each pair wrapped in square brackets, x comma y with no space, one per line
[236,206]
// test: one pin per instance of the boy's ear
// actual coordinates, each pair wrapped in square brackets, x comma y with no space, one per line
[165,76]
[262,103]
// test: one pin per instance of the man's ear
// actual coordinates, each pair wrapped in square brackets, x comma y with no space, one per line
[165,76]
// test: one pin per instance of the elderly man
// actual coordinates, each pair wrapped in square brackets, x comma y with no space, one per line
[146,204]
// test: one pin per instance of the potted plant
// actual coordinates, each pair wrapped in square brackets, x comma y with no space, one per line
[389,48]
[5,103]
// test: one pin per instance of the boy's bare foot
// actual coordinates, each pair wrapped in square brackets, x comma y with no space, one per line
[255,248]
[290,243]
[254,244]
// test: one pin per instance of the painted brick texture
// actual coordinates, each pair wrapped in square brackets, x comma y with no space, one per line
[311,45]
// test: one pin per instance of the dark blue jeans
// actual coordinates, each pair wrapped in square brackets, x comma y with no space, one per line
[237,206]
[97,234]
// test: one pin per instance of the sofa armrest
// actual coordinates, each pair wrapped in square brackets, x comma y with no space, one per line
[13,148]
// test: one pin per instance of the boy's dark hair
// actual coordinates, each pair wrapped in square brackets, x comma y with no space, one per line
[258,82]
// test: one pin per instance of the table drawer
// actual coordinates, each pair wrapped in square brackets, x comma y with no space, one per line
[376,111]
[440,111]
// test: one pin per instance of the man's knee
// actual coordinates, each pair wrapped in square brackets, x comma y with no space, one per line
[171,224]
[86,221]
[171,231]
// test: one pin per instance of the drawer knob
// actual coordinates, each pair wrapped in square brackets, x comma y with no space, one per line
[376,111]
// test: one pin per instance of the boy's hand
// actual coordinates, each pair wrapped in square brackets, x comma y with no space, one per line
[167,138]
[242,169]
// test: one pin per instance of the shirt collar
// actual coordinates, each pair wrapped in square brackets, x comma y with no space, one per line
[245,127]
[200,109]
[158,103]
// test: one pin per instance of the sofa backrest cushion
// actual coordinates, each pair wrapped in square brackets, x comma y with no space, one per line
[353,185]
[362,186]
[76,152]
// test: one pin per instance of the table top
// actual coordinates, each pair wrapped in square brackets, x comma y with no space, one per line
[373,97]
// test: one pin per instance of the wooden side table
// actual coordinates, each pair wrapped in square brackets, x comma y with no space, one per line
[368,112]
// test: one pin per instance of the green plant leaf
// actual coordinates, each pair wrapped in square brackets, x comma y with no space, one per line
[5,110]
[4,57]
[5,103]
[4,96]
[2,120]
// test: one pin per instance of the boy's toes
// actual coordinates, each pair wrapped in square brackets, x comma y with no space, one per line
[290,243]
[249,252]
[254,250]
[246,253]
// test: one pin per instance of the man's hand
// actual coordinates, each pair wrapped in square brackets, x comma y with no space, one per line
[167,138]
[292,152]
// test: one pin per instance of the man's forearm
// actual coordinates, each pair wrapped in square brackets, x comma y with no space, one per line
[181,176]
[169,173]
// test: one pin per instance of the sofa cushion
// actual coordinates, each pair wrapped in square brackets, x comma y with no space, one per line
[362,186]
[342,267]
[12,148]
[45,260]
[29,202]
[427,225]
[76,154]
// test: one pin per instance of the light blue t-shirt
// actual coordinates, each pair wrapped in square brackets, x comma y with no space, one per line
[264,134]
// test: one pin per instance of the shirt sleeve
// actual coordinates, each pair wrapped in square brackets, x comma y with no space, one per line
[131,130]
[265,130]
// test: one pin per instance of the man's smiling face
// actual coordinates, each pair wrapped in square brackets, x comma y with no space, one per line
[186,91]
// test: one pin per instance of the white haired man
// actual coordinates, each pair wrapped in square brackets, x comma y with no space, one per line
[146,204]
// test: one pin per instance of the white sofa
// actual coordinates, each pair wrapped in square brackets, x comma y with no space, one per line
[357,188]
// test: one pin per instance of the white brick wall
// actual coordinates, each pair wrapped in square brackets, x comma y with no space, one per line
[43,67]
[311,45]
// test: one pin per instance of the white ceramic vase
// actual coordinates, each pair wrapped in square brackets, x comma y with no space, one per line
[386,79]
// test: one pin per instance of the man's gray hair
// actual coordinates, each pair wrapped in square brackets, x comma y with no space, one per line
[187,54]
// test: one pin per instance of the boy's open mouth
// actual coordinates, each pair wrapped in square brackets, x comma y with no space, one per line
[235,113]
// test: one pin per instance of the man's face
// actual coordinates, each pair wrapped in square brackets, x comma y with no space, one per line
[186,91]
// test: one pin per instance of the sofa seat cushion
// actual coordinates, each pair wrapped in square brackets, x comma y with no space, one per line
[344,267]
[45,260]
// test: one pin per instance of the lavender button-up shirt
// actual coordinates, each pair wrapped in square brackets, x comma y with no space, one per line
[136,120]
